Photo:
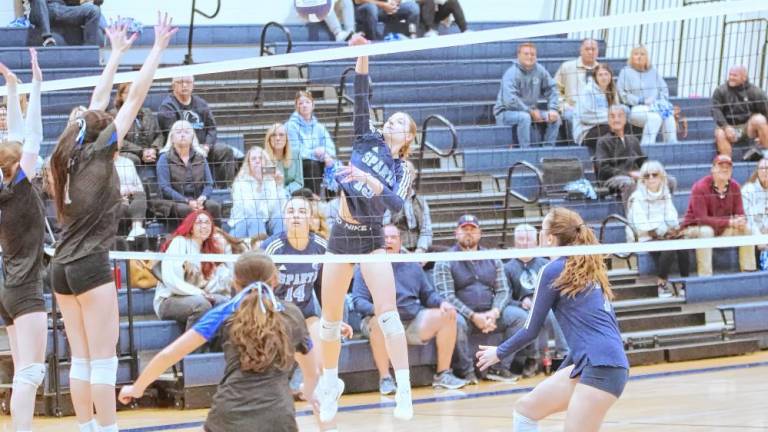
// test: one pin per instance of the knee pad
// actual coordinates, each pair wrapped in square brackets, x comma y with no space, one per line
[32,374]
[390,324]
[80,369]
[330,331]
[104,371]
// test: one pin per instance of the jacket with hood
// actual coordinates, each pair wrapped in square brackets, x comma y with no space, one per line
[306,136]
[521,89]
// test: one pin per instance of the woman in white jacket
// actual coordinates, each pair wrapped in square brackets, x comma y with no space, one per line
[591,114]
[181,293]
[654,216]
[754,194]
[258,197]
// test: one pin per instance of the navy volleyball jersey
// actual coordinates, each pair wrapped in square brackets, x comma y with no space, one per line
[296,281]
[371,154]
[587,320]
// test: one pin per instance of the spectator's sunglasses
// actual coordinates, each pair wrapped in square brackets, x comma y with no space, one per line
[648,175]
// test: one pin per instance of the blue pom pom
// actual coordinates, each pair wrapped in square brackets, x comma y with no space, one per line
[313,10]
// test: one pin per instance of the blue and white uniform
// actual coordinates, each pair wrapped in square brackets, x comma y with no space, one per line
[297,280]
[590,327]
[371,154]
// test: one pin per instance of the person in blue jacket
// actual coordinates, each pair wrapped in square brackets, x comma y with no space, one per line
[594,374]
[374,181]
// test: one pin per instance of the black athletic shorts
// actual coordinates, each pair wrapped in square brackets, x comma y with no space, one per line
[19,300]
[610,379]
[82,275]
[354,239]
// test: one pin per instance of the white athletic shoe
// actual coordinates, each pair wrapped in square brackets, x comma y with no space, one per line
[328,399]
[403,405]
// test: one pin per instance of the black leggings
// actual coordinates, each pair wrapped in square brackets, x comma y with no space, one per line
[432,17]
[665,259]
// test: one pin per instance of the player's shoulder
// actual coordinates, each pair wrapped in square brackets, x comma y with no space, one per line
[319,243]
[274,244]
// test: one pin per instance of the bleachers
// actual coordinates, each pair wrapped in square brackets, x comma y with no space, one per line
[461,84]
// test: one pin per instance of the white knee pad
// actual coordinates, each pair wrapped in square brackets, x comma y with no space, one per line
[104,371]
[80,369]
[32,374]
[390,323]
[330,330]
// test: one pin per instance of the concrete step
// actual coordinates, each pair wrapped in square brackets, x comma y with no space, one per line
[711,350]
[59,57]
[660,321]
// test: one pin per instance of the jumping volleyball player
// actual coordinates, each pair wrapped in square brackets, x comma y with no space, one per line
[87,197]
[262,337]
[22,228]
[374,180]
[595,372]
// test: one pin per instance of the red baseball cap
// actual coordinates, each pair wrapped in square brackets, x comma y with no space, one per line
[722,159]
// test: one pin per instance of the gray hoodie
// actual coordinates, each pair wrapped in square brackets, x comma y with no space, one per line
[521,89]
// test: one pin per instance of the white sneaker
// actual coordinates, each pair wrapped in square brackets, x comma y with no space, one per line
[328,399]
[431,33]
[136,231]
[403,405]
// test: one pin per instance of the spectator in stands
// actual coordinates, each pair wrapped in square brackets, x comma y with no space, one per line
[181,293]
[368,13]
[480,293]
[522,274]
[413,220]
[654,217]
[183,175]
[522,85]
[134,204]
[573,76]
[424,313]
[590,117]
[311,141]
[344,10]
[144,141]
[754,195]
[435,11]
[20,16]
[619,156]
[740,110]
[644,90]
[258,197]
[716,209]
[181,104]
[70,13]
[279,149]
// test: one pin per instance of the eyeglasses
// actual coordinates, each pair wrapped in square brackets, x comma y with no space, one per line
[651,175]
[203,222]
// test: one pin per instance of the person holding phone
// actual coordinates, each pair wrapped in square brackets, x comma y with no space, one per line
[258,197]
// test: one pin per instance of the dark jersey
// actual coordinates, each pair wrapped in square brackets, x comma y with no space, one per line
[90,221]
[22,231]
[249,401]
[296,281]
[587,320]
[371,154]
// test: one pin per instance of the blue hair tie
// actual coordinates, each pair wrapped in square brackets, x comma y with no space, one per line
[264,289]
[83,128]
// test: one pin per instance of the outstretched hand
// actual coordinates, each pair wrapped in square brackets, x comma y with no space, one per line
[129,393]
[7,74]
[164,30]
[486,357]
[118,36]
[37,73]
[358,39]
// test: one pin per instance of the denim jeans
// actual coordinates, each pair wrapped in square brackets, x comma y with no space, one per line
[512,319]
[525,133]
[87,15]
[369,15]
[257,226]
[186,310]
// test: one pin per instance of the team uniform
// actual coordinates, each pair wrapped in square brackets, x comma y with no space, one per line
[22,232]
[590,327]
[297,280]
[250,401]
[372,155]
[90,221]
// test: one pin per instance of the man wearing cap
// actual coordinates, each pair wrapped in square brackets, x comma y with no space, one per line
[424,313]
[715,209]
[480,293]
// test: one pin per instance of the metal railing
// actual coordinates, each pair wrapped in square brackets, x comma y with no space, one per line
[340,99]
[188,58]
[439,152]
[511,192]
[619,218]
[263,50]
[747,49]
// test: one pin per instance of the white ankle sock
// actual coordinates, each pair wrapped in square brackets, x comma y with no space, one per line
[521,423]
[403,379]
[110,428]
[91,426]
[330,376]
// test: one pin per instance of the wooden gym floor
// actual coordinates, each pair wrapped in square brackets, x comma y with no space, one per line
[726,394]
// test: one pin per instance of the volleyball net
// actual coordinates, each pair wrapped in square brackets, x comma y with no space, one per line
[477,157]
